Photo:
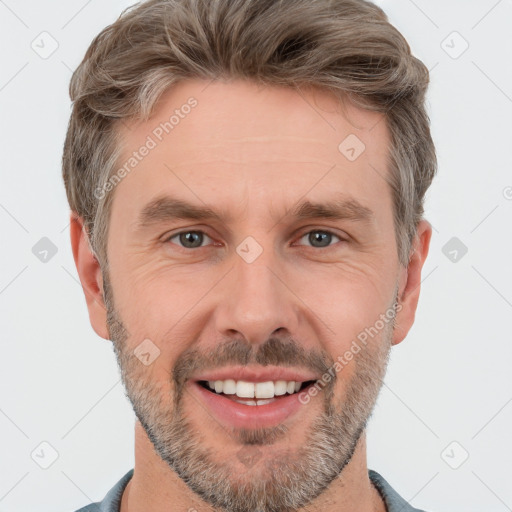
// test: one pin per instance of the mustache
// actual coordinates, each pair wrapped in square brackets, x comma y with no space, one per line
[274,351]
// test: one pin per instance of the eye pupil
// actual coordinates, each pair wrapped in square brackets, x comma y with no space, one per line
[193,237]
[320,236]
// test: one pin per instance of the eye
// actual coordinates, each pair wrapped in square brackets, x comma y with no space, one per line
[319,238]
[189,239]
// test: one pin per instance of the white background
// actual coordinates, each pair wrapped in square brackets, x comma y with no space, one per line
[450,380]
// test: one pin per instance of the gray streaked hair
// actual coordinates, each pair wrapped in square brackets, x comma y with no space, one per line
[346,47]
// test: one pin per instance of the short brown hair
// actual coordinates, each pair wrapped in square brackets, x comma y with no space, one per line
[347,47]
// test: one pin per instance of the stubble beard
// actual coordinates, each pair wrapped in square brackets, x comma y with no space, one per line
[255,479]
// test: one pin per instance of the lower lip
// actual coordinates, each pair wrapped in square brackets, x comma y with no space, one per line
[238,415]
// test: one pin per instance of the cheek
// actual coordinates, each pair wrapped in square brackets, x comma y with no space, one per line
[348,295]
[351,304]
[145,295]
[162,308]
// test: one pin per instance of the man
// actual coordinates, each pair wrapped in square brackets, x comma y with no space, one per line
[246,180]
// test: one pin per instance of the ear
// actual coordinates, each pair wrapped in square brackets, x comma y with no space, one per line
[410,282]
[89,271]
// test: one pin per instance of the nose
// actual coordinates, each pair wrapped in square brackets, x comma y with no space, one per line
[257,301]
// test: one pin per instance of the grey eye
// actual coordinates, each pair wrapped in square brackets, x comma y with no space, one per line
[320,238]
[190,239]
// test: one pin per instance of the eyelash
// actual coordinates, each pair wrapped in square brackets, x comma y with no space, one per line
[327,231]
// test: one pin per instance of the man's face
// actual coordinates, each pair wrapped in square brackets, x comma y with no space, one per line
[270,289]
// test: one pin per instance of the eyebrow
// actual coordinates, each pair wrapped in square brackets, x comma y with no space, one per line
[166,208]
[342,209]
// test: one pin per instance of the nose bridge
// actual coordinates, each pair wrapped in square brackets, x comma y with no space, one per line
[255,302]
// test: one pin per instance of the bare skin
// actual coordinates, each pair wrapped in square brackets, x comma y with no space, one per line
[251,154]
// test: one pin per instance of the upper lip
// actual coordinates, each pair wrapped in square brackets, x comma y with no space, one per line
[253,374]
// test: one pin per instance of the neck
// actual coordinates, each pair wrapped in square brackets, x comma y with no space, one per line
[156,487]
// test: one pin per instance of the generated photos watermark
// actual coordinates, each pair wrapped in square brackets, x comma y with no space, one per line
[355,347]
[152,140]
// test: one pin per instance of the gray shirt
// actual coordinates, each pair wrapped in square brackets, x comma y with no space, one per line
[394,502]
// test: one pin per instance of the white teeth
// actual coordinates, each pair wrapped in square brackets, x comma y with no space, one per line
[280,388]
[264,402]
[246,402]
[264,390]
[260,390]
[253,402]
[244,389]
[229,387]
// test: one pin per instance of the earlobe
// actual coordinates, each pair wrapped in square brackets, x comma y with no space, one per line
[410,282]
[91,278]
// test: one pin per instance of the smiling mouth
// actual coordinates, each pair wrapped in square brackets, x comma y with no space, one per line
[254,393]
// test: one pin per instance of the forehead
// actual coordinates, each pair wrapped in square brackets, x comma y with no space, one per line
[240,110]
[252,142]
